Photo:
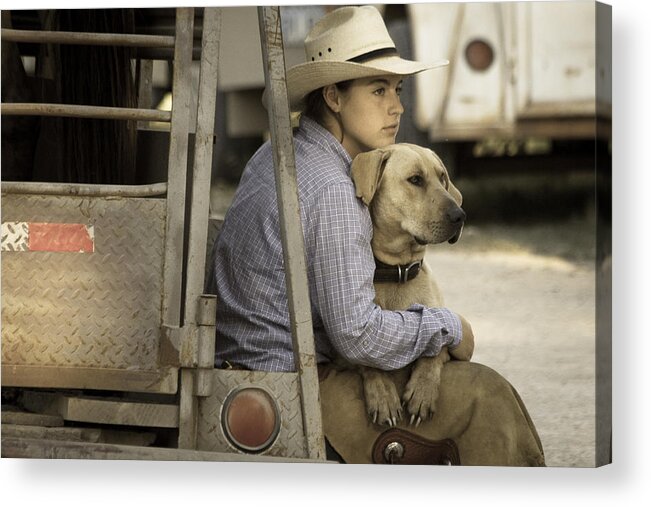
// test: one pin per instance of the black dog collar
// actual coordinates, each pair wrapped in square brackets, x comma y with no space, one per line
[400,273]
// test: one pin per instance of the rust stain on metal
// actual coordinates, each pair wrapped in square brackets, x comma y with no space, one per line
[48,237]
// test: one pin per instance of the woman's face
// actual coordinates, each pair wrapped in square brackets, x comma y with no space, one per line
[369,112]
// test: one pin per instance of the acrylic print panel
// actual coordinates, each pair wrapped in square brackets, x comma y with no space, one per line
[109,353]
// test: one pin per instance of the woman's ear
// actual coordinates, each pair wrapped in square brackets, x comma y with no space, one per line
[332,98]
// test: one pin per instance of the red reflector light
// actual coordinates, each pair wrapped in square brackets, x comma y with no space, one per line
[250,419]
[479,54]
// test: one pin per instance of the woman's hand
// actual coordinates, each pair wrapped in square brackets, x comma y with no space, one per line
[464,350]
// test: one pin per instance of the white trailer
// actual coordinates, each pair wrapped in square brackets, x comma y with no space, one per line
[516,69]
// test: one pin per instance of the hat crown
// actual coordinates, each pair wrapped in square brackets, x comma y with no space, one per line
[347,33]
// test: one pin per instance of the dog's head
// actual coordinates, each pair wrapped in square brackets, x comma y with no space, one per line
[409,194]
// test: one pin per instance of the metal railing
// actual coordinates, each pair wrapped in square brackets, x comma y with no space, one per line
[174,190]
[90,39]
[194,369]
[82,111]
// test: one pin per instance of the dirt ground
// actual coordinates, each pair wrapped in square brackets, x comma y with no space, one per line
[529,293]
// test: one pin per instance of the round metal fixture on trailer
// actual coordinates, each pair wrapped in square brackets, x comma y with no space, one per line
[250,419]
[479,54]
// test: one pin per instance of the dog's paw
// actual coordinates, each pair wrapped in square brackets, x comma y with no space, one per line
[422,390]
[382,399]
[420,400]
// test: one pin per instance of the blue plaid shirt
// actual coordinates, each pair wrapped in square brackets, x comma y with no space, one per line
[252,312]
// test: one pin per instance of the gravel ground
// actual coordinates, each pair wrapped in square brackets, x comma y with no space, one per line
[529,292]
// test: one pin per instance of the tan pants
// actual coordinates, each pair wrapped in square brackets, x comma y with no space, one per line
[477,408]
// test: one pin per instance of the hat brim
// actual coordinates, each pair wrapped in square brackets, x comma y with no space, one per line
[310,76]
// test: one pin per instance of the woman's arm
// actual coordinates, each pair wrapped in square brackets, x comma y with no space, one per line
[341,267]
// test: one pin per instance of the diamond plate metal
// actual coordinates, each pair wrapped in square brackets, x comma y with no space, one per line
[282,386]
[99,310]
[15,236]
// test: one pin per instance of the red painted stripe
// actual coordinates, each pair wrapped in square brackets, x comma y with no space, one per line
[44,237]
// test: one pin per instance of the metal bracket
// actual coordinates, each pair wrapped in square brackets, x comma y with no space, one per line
[193,345]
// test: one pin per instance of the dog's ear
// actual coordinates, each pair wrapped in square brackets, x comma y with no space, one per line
[366,172]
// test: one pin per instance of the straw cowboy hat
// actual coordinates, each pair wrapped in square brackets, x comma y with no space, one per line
[348,43]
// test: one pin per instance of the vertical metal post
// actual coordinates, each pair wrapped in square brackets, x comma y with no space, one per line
[177,167]
[291,229]
[199,327]
[174,233]
[145,84]
[203,149]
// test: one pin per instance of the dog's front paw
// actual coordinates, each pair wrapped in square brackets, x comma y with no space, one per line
[420,399]
[381,396]
[422,389]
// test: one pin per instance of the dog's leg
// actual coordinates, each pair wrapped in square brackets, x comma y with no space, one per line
[381,396]
[422,389]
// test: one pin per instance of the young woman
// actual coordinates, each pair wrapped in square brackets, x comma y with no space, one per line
[349,91]
[349,94]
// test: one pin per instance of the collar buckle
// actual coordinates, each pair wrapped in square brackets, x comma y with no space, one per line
[403,273]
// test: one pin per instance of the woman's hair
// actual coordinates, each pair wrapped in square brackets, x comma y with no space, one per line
[315,105]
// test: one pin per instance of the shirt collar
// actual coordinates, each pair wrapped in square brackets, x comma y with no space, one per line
[324,138]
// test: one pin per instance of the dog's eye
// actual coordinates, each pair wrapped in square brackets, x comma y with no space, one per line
[416,180]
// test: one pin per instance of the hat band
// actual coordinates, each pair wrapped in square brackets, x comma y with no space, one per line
[372,55]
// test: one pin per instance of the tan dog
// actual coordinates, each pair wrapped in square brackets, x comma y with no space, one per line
[412,203]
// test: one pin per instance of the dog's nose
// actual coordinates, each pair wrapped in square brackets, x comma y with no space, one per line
[456,215]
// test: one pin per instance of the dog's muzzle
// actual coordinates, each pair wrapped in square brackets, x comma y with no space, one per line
[457,218]
[456,236]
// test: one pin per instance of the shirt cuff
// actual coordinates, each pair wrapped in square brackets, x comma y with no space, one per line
[446,330]
[455,332]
